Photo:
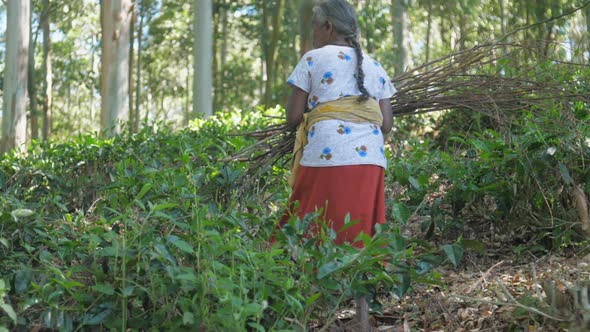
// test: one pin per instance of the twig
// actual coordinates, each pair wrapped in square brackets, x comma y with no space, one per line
[516,304]
[522,306]
[483,277]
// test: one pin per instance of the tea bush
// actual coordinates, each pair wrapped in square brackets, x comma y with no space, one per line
[147,231]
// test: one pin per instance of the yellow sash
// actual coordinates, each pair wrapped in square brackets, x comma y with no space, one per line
[346,109]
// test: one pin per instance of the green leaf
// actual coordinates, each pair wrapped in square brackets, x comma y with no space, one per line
[4,242]
[256,326]
[312,299]
[188,318]
[9,311]
[335,265]
[164,206]
[181,244]
[454,253]
[414,182]
[476,245]
[104,288]
[565,174]
[144,190]
[22,279]
[21,213]
[97,316]
[401,213]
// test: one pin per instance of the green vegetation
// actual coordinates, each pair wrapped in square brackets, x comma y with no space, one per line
[151,230]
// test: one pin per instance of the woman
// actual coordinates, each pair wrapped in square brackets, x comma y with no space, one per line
[339,158]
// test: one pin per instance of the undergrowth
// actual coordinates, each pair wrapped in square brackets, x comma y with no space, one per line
[149,231]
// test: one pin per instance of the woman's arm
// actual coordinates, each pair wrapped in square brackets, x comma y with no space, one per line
[385,105]
[296,106]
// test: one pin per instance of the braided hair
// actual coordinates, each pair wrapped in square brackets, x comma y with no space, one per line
[345,21]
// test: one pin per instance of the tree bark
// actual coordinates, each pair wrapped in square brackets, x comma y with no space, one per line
[271,48]
[47,72]
[203,54]
[14,121]
[399,10]
[142,14]
[305,18]
[32,86]
[116,19]
[428,30]
[588,29]
[132,114]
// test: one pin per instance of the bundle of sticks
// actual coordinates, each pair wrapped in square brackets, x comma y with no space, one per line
[494,78]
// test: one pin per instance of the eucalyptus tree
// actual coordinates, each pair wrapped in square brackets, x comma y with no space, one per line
[116,23]
[203,53]
[14,119]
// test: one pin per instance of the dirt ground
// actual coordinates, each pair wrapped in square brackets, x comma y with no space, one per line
[530,294]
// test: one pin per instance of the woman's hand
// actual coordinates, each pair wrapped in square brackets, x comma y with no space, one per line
[296,106]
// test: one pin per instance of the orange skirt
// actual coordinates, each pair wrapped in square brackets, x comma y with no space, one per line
[356,190]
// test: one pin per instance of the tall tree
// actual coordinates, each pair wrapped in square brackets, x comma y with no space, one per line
[429,30]
[116,24]
[132,115]
[203,54]
[305,16]
[32,84]
[588,29]
[14,120]
[399,14]
[47,70]
[272,14]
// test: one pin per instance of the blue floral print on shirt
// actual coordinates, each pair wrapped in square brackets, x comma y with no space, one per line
[328,77]
[362,151]
[344,56]
[375,130]
[344,130]
[326,153]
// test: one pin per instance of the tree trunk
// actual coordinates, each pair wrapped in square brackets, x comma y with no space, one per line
[428,30]
[203,54]
[47,72]
[32,87]
[400,55]
[588,29]
[132,114]
[305,17]
[14,121]
[142,13]
[116,19]
[271,48]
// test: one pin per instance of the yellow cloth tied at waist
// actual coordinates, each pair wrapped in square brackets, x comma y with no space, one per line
[345,109]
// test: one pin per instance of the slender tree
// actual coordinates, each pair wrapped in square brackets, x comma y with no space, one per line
[14,120]
[47,70]
[116,23]
[203,54]
[271,17]
[305,16]
[399,13]
[32,84]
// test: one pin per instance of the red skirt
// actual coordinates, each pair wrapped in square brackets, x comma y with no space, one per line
[356,190]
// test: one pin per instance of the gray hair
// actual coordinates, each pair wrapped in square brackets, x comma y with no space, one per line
[345,21]
[340,13]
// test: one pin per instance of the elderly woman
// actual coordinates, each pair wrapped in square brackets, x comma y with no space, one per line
[339,158]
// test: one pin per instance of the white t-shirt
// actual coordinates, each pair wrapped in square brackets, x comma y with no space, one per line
[327,74]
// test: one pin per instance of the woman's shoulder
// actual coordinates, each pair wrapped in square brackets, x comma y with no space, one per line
[372,61]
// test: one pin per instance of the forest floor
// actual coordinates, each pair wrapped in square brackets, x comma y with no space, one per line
[499,292]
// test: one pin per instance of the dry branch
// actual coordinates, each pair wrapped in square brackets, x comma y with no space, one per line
[481,79]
